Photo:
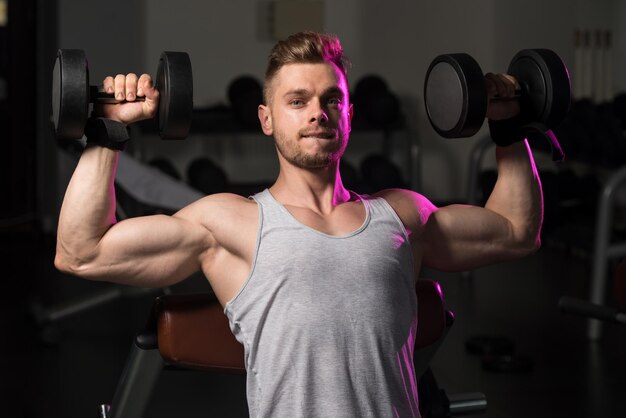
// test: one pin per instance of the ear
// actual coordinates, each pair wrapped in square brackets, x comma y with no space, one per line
[265,116]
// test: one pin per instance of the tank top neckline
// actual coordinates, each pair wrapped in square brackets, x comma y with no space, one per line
[357,231]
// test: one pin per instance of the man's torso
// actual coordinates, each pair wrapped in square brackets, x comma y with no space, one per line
[234,220]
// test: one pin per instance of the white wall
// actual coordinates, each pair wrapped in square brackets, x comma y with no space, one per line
[395,38]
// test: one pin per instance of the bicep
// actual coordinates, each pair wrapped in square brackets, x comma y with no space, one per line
[460,237]
[150,251]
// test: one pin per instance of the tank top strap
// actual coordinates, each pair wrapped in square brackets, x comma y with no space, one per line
[380,209]
[270,208]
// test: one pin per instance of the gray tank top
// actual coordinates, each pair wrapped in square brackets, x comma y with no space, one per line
[328,322]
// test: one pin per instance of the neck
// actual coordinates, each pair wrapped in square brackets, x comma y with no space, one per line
[319,189]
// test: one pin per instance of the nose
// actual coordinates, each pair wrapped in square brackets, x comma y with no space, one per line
[319,115]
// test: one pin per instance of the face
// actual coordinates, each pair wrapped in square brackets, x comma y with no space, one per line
[308,114]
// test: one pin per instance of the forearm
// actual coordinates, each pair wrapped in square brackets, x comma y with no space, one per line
[517,195]
[88,209]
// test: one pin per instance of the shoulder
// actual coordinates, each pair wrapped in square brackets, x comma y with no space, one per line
[219,208]
[412,208]
[230,221]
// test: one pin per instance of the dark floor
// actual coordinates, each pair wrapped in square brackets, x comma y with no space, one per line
[68,369]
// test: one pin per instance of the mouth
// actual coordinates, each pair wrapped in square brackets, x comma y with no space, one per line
[319,134]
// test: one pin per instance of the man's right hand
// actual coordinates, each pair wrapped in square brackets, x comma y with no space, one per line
[128,88]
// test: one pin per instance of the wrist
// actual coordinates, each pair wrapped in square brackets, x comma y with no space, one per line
[513,158]
[107,133]
[508,131]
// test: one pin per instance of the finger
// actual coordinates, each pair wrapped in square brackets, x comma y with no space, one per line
[505,88]
[513,81]
[120,87]
[108,85]
[502,86]
[131,86]
[492,86]
[510,84]
[144,85]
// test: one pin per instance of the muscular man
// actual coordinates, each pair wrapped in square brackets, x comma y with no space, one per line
[317,281]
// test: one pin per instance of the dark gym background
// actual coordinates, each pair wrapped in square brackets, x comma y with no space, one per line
[66,369]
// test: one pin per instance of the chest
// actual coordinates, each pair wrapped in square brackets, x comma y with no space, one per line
[367,277]
[341,221]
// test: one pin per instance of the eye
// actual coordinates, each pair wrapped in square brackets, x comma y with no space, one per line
[296,102]
[334,101]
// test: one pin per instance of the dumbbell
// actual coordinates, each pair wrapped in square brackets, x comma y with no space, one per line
[455,93]
[72,94]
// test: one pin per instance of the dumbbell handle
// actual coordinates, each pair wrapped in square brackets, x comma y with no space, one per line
[98,95]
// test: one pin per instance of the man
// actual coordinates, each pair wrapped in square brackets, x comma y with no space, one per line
[317,281]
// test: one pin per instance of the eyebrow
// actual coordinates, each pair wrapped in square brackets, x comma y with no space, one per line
[334,90]
[305,92]
[297,92]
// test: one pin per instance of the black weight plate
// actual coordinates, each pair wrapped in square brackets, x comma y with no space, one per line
[545,83]
[70,93]
[455,95]
[175,84]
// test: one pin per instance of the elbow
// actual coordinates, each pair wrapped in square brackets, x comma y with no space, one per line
[62,256]
[66,264]
[63,259]
[529,245]
[63,264]
[526,237]
[59,263]
[534,245]
[72,265]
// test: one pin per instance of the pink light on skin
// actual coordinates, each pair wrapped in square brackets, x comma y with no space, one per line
[536,175]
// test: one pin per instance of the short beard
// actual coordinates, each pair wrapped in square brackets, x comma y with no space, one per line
[302,160]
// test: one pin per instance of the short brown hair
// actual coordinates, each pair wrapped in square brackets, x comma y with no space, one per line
[304,48]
